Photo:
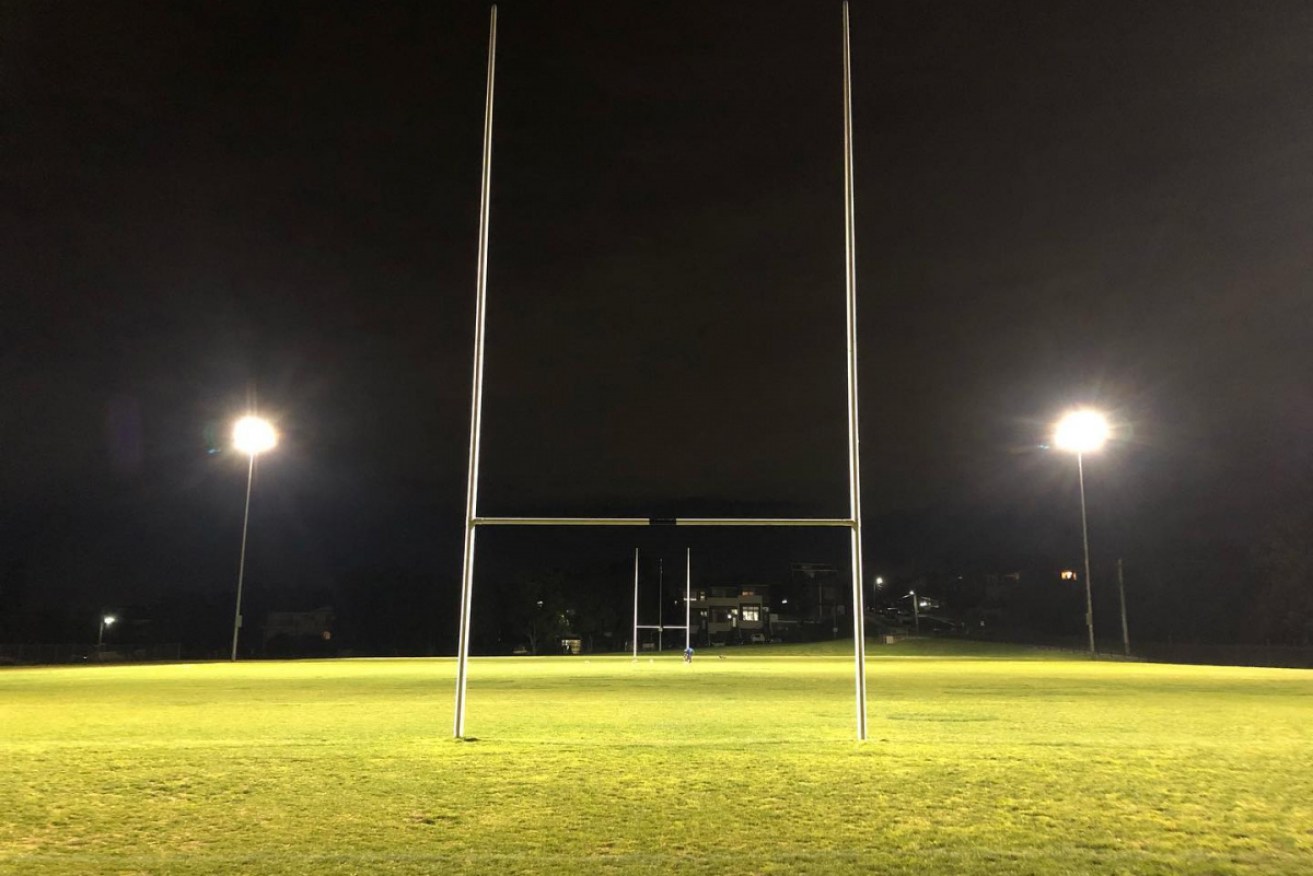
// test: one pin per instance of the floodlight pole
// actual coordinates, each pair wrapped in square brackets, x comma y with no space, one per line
[476,403]
[241,562]
[105,620]
[1085,540]
[1121,590]
[854,468]
[635,640]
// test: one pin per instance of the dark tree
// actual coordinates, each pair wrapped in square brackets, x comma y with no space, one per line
[534,611]
[1282,607]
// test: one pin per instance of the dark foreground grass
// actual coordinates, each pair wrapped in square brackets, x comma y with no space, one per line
[977,764]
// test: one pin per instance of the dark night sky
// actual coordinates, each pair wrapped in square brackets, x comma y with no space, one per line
[1108,203]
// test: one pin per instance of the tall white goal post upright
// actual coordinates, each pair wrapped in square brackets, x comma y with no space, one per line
[853,522]
[688,598]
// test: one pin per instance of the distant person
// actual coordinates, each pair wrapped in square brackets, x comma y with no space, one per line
[688,654]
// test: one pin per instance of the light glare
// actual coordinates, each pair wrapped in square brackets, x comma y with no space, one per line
[1081,432]
[252,435]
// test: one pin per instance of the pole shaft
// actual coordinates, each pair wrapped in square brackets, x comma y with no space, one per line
[1085,540]
[688,598]
[635,603]
[476,403]
[854,467]
[661,603]
[1121,590]
[241,562]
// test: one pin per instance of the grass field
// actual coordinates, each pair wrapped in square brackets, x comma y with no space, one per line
[981,760]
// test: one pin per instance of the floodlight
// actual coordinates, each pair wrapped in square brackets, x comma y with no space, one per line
[252,435]
[105,621]
[1082,431]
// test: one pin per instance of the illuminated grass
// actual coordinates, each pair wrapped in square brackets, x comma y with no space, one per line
[977,764]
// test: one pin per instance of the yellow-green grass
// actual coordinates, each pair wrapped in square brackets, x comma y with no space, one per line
[980,760]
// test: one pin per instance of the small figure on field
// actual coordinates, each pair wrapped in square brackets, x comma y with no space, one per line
[688,654]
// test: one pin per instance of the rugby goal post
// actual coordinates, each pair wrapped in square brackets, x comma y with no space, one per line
[853,522]
[660,625]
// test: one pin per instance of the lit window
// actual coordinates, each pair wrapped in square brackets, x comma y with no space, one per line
[752,613]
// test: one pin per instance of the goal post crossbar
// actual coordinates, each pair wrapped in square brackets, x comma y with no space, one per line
[663,521]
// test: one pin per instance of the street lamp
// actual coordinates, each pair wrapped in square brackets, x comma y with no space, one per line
[1081,432]
[252,436]
[106,620]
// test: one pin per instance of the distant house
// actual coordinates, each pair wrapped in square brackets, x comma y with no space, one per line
[291,633]
[735,614]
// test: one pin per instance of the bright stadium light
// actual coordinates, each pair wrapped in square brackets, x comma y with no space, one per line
[1080,432]
[251,435]
[106,620]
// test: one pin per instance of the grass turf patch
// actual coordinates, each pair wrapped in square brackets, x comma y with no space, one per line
[977,763]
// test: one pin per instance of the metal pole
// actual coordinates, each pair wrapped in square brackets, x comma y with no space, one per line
[661,604]
[476,404]
[1121,590]
[635,604]
[688,598]
[854,471]
[663,521]
[241,562]
[1085,539]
